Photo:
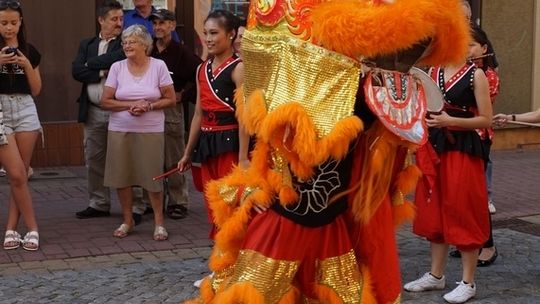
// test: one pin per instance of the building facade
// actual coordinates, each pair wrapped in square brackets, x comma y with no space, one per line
[57,29]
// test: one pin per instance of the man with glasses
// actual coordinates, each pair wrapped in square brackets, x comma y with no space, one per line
[182,65]
[94,58]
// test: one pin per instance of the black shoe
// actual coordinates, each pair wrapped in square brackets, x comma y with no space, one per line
[137,218]
[485,263]
[176,212]
[90,213]
[455,253]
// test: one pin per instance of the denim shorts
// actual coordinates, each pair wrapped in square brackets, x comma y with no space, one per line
[20,114]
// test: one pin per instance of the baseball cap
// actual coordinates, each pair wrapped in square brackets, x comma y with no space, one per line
[163,14]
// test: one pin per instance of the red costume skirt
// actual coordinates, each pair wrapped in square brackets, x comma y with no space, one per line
[212,169]
[284,261]
[451,199]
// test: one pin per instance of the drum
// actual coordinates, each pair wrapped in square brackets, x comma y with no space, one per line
[434,96]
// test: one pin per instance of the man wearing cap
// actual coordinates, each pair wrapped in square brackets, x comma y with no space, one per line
[141,15]
[182,65]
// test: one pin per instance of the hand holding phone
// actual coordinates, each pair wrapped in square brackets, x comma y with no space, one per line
[11,50]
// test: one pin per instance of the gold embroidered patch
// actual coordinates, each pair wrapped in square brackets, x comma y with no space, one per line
[341,274]
[271,277]
[228,194]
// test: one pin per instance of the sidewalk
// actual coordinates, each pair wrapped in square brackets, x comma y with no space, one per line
[80,261]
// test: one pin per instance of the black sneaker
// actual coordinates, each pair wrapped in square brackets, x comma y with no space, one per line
[90,213]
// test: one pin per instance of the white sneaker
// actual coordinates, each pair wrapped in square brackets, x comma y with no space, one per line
[461,294]
[491,207]
[199,282]
[426,282]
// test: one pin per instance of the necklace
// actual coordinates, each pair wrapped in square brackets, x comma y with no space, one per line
[137,77]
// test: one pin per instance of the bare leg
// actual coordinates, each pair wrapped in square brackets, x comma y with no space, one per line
[16,158]
[469,260]
[125,196]
[439,254]
[156,199]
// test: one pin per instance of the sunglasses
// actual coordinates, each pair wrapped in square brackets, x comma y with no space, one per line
[12,4]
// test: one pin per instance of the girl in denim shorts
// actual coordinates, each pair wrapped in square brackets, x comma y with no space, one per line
[19,81]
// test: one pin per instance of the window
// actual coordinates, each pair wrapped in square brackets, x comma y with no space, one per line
[237,7]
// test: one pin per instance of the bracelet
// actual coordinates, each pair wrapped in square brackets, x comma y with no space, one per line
[513,117]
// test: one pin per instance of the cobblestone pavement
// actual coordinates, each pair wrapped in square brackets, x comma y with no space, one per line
[79,261]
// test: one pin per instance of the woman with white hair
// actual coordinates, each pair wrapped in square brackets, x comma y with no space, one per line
[136,92]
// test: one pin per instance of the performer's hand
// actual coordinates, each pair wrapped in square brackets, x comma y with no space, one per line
[260,208]
[243,164]
[184,163]
[500,120]
[439,120]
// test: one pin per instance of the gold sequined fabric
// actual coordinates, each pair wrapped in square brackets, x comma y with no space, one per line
[342,275]
[281,165]
[288,69]
[221,276]
[228,194]
[271,277]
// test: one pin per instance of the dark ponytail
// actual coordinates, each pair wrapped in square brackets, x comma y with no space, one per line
[226,20]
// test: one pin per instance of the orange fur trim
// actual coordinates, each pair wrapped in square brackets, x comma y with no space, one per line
[407,179]
[206,294]
[240,293]
[291,297]
[405,184]
[206,291]
[379,152]
[302,147]
[368,295]
[356,28]
[229,239]
[403,213]
[252,112]
[327,295]
[287,195]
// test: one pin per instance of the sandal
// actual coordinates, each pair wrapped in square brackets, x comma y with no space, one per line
[31,241]
[122,231]
[12,240]
[176,212]
[160,233]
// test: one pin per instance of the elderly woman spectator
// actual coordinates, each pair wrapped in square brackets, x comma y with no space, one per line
[136,92]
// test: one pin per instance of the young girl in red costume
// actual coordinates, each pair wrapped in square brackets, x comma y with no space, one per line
[482,50]
[451,198]
[216,141]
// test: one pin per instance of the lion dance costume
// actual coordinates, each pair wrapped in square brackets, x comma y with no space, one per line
[336,114]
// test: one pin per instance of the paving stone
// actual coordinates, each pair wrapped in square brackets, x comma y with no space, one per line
[137,269]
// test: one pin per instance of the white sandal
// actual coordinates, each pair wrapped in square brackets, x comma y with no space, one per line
[31,241]
[160,233]
[12,240]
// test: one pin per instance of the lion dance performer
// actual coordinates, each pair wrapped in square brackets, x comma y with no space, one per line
[336,114]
